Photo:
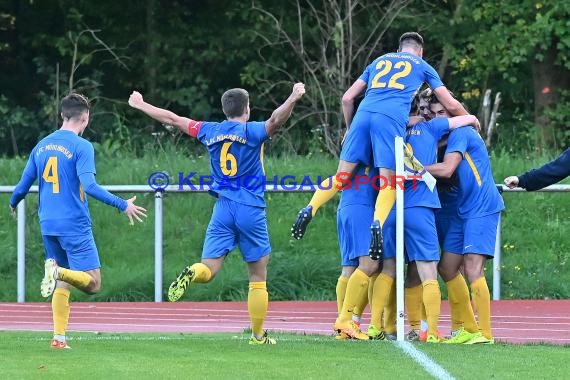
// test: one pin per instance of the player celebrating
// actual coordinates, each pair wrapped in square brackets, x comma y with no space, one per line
[235,147]
[390,82]
[64,163]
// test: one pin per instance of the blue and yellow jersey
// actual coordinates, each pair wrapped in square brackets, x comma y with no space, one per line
[236,159]
[57,161]
[422,140]
[361,190]
[478,196]
[392,82]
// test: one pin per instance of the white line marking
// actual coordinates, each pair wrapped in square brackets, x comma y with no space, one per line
[423,360]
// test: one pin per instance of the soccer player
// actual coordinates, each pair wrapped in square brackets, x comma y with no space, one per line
[390,81]
[470,239]
[354,216]
[236,150]
[548,174]
[420,235]
[64,164]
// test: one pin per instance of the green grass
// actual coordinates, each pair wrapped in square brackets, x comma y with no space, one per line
[536,235]
[225,356]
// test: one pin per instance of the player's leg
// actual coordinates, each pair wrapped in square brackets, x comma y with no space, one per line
[480,236]
[353,240]
[220,240]
[341,284]
[413,300]
[356,148]
[383,132]
[251,223]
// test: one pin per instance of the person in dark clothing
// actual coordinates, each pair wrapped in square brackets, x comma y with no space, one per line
[546,175]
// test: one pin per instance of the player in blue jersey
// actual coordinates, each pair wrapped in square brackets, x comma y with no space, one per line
[471,239]
[390,83]
[354,215]
[420,236]
[236,150]
[64,164]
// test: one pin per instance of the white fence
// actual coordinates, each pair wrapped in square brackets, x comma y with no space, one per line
[158,236]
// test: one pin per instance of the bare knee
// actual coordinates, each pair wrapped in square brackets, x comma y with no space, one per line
[94,287]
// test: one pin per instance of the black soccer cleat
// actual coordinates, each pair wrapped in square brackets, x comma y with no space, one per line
[377,243]
[303,219]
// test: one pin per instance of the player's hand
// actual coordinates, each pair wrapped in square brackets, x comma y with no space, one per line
[136,99]
[298,91]
[134,211]
[512,181]
[477,125]
[13,212]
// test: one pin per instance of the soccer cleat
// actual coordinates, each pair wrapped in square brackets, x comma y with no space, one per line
[341,336]
[264,340]
[424,335]
[48,282]
[375,333]
[413,336]
[351,329]
[462,336]
[376,244]
[178,287]
[391,336]
[59,345]
[435,338]
[303,219]
[480,339]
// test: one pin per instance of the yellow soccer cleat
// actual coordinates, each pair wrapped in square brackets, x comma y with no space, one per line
[480,339]
[351,329]
[264,340]
[462,336]
[178,287]
[375,333]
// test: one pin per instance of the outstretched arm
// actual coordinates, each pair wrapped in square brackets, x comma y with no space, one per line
[283,112]
[446,168]
[159,114]
[548,174]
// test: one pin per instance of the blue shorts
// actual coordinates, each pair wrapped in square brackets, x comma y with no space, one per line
[232,224]
[420,236]
[473,235]
[72,252]
[353,224]
[449,230]
[357,147]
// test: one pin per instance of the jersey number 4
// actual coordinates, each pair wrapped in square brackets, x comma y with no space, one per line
[50,174]
[379,80]
[228,162]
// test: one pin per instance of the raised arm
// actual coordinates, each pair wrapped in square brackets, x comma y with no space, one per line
[159,114]
[283,112]
[348,100]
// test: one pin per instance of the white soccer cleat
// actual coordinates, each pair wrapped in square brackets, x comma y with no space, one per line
[48,282]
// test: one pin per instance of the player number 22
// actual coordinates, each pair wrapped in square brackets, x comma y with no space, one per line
[50,174]
[228,161]
[385,67]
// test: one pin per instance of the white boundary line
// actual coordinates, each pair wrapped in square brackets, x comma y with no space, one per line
[430,366]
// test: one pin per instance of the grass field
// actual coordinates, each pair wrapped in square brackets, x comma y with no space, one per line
[225,356]
[536,235]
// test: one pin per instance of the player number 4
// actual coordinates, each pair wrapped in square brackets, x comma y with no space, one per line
[50,174]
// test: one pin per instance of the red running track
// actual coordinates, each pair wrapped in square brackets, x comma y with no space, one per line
[513,321]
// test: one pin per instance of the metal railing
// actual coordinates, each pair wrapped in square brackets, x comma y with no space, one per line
[158,231]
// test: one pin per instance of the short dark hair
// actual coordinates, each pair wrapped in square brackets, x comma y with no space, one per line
[411,39]
[234,102]
[74,105]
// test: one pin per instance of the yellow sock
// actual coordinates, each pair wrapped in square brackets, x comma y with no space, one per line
[60,310]
[325,192]
[384,203]
[380,297]
[390,311]
[340,292]
[356,290]
[414,301]
[202,273]
[482,300]
[76,278]
[460,304]
[432,303]
[257,304]
[371,287]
